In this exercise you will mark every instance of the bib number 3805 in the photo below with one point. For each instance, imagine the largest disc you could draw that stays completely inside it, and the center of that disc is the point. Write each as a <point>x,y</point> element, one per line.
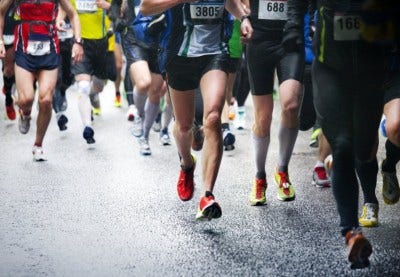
<point>206,11</point>
<point>38,48</point>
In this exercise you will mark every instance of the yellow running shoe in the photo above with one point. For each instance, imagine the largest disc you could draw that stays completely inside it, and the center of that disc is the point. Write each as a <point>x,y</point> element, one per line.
<point>285,188</point>
<point>369,216</point>
<point>96,111</point>
<point>257,195</point>
<point>117,101</point>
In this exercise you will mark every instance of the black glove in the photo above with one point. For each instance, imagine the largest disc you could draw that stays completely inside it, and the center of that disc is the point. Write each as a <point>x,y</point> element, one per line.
<point>119,25</point>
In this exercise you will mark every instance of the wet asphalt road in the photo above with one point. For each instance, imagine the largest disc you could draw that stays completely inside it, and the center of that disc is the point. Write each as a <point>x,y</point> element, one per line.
<point>107,211</point>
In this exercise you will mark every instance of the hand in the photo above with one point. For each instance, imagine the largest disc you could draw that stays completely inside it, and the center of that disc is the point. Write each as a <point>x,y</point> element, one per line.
<point>77,53</point>
<point>102,4</point>
<point>2,50</point>
<point>246,31</point>
<point>60,25</point>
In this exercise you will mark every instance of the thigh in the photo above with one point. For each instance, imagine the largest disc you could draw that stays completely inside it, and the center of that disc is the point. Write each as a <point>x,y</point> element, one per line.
<point>291,67</point>
<point>24,80</point>
<point>184,73</point>
<point>333,103</point>
<point>213,85</point>
<point>183,105</point>
<point>261,61</point>
<point>47,81</point>
<point>368,105</point>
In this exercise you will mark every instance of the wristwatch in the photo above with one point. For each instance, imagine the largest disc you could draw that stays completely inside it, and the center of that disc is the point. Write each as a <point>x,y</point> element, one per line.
<point>244,17</point>
<point>78,41</point>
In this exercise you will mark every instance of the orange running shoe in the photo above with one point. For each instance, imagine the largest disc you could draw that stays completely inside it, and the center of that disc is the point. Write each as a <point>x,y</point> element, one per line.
<point>208,208</point>
<point>186,183</point>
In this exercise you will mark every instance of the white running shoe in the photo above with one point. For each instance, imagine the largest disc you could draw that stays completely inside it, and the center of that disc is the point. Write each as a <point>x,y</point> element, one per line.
<point>144,146</point>
<point>130,115</point>
<point>240,118</point>
<point>164,138</point>
<point>38,154</point>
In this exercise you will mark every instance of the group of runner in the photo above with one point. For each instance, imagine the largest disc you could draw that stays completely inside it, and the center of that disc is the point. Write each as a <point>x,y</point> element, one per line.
<point>190,54</point>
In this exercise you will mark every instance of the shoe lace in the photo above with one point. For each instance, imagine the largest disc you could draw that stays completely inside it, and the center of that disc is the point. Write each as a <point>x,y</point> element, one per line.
<point>370,212</point>
<point>284,180</point>
<point>260,187</point>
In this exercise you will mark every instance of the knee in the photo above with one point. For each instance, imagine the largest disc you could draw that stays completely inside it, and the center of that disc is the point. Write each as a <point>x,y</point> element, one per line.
<point>97,84</point>
<point>262,125</point>
<point>393,131</point>
<point>142,85</point>
<point>84,87</point>
<point>45,102</point>
<point>291,108</point>
<point>342,148</point>
<point>212,120</point>
<point>181,127</point>
<point>25,98</point>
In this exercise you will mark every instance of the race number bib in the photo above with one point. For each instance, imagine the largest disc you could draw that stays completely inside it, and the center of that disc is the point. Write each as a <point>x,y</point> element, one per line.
<point>86,6</point>
<point>38,48</point>
<point>272,9</point>
<point>206,10</point>
<point>346,27</point>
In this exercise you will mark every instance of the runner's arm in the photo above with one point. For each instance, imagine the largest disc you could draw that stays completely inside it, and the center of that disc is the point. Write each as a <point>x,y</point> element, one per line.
<point>151,7</point>
<point>77,49</point>
<point>4,5</point>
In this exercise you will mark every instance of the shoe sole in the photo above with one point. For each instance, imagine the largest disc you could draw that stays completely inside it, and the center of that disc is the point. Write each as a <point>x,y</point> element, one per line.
<point>212,211</point>
<point>229,147</point>
<point>286,199</point>
<point>39,159</point>
<point>369,224</point>
<point>359,253</point>
<point>390,201</point>
<point>321,185</point>
<point>257,203</point>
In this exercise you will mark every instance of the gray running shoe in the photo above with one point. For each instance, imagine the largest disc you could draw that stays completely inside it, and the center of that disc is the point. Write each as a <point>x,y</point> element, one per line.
<point>390,188</point>
<point>144,146</point>
<point>137,127</point>
<point>164,138</point>
<point>24,123</point>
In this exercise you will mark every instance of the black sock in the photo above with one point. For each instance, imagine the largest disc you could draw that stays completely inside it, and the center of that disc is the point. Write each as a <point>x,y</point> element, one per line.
<point>261,175</point>
<point>367,173</point>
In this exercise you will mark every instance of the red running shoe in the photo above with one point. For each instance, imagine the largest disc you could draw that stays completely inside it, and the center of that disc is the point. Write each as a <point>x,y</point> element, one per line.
<point>11,114</point>
<point>359,249</point>
<point>208,208</point>
<point>186,183</point>
<point>320,177</point>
